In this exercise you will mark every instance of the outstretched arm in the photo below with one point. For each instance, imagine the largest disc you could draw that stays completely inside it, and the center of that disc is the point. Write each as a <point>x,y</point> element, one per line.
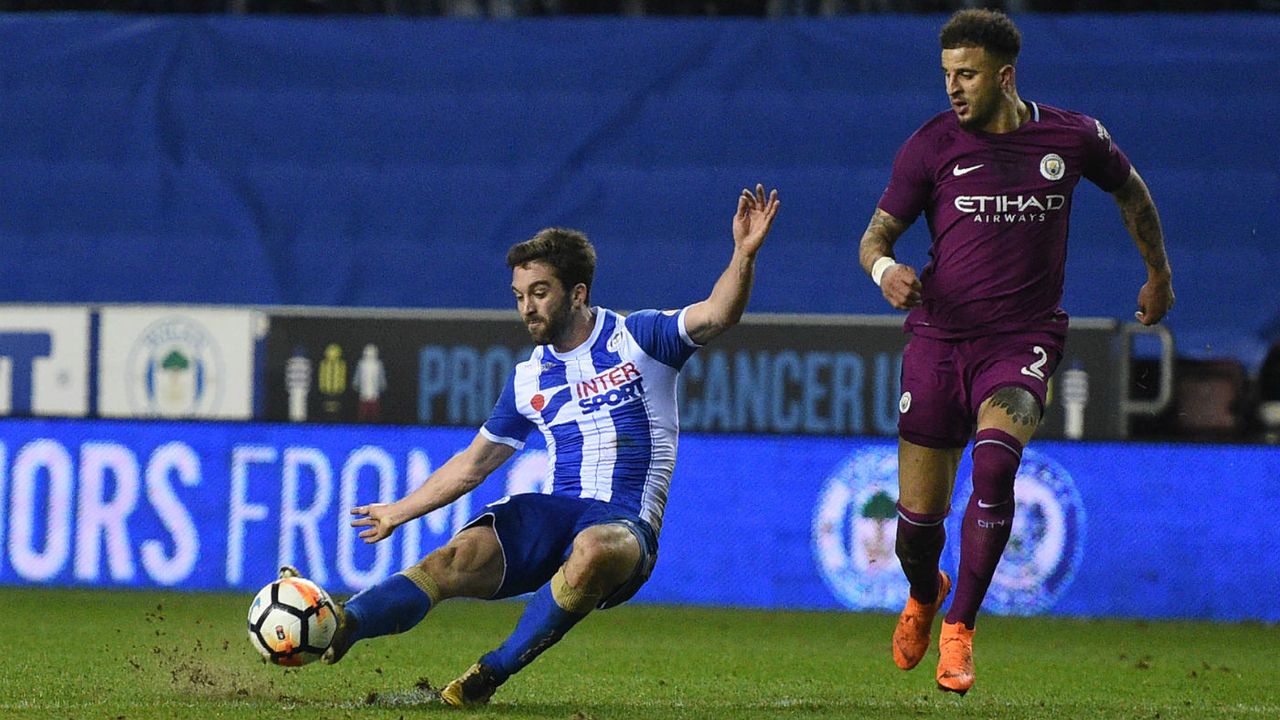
<point>1143,222</point>
<point>724,307</point>
<point>898,282</point>
<point>454,479</point>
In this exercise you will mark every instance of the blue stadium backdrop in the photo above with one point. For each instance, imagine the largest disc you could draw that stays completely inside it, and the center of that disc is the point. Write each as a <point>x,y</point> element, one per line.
<point>756,521</point>
<point>390,162</point>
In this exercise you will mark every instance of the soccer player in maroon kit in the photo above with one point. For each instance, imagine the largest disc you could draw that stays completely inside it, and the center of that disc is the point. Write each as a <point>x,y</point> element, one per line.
<point>994,177</point>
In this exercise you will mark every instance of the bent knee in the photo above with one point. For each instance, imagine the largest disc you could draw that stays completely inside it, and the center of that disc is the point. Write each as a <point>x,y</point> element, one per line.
<point>605,550</point>
<point>442,558</point>
<point>471,564</point>
<point>442,564</point>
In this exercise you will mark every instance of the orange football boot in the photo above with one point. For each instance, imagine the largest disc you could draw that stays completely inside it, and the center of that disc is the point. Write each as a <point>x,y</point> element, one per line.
<point>915,625</point>
<point>955,658</point>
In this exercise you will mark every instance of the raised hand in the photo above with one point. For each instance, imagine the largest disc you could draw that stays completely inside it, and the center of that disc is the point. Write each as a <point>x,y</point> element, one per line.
<point>753,219</point>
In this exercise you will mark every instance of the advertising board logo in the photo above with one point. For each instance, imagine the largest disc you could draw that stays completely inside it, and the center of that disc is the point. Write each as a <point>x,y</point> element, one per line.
<point>175,369</point>
<point>297,382</point>
<point>44,360</point>
<point>854,530</point>
<point>855,527</point>
<point>369,382</point>
<point>1047,543</point>
<point>20,350</point>
<point>332,380</point>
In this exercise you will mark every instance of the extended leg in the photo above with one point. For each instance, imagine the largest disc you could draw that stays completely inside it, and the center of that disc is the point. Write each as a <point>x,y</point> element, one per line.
<point>603,558</point>
<point>470,565</point>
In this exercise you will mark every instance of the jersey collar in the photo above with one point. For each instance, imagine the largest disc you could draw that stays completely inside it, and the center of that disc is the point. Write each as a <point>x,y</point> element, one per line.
<point>586,345</point>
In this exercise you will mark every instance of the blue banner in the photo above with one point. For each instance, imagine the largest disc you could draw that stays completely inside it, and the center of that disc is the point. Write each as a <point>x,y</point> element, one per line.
<point>1101,529</point>
<point>378,162</point>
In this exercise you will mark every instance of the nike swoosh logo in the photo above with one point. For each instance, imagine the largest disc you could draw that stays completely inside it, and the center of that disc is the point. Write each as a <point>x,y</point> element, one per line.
<point>984,505</point>
<point>958,171</point>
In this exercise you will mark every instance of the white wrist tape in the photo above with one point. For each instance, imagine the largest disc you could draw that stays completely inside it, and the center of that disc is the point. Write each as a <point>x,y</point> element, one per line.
<point>877,269</point>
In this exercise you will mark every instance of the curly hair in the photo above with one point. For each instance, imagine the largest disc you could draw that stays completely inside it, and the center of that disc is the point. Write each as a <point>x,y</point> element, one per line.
<point>990,30</point>
<point>568,252</point>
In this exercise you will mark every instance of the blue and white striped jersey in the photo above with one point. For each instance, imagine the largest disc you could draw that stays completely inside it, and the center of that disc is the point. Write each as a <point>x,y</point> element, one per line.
<point>606,408</point>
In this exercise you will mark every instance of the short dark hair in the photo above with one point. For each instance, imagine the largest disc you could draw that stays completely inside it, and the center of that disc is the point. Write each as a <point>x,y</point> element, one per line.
<point>568,252</point>
<point>990,30</point>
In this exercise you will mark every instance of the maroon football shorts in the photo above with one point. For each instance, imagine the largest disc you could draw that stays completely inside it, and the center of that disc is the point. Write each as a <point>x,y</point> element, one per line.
<point>945,381</point>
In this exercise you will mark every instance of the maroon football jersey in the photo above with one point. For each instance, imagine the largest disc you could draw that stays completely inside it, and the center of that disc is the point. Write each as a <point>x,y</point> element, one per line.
<point>998,207</point>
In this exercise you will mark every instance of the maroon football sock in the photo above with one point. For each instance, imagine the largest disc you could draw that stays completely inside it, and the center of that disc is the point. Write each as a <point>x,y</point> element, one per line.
<point>919,544</point>
<point>988,520</point>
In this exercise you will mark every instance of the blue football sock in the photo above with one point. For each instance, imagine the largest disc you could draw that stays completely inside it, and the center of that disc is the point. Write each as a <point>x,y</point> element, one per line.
<point>542,625</point>
<point>392,606</point>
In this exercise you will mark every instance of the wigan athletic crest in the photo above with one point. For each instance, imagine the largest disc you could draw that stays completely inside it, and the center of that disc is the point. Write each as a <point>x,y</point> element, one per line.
<point>175,370</point>
<point>854,530</point>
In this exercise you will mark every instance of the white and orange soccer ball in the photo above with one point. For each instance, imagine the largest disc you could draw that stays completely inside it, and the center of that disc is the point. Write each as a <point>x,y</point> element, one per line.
<point>292,620</point>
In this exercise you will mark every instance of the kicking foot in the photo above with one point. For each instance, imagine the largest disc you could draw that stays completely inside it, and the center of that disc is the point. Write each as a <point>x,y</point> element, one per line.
<point>475,687</point>
<point>915,625</point>
<point>955,658</point>
<point>343,638</point>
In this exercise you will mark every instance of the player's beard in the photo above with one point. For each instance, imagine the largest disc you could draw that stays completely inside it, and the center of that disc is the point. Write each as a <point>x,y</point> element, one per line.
<point>979,116</point>
<point>552,326</point>
<point>982,109</point>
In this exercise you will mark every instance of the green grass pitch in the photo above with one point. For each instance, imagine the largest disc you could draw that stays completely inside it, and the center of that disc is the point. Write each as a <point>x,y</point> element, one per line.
<point>134,655</point>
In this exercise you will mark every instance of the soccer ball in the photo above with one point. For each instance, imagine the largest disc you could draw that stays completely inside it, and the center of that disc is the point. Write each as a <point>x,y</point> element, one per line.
<point>292,621</point>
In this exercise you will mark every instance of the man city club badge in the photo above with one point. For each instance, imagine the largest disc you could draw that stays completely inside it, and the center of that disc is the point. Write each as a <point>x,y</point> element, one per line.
<point>1052,166</point>
<point>854,530</point>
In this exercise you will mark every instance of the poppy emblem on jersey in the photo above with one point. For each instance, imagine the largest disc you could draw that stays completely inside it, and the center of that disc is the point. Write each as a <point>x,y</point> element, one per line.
<point>1052,167</point>
<point>538,402</point>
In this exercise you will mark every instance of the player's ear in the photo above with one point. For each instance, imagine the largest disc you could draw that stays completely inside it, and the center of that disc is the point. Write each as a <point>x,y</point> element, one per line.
<point>1007,74</point>
<point>581,294</point>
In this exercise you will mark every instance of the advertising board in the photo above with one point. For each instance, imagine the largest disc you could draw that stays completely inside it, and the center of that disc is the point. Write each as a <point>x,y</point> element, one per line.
<point>1102,529</point>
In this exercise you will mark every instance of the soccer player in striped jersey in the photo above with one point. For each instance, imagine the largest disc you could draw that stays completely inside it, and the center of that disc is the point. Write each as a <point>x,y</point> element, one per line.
<point>601,388</point>
<point>994,176</point>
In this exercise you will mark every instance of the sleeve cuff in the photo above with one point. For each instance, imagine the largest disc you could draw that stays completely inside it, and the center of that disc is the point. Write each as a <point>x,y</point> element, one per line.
<point>511,442</point>
<point>684,332</point>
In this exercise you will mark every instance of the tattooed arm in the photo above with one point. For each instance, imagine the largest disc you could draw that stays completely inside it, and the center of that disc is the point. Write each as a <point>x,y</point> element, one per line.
<point>1143,222</point>
<point>898,283</point>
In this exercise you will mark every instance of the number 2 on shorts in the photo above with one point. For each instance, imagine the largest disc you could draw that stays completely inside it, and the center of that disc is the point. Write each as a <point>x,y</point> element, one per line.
<point>1035,369</point>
